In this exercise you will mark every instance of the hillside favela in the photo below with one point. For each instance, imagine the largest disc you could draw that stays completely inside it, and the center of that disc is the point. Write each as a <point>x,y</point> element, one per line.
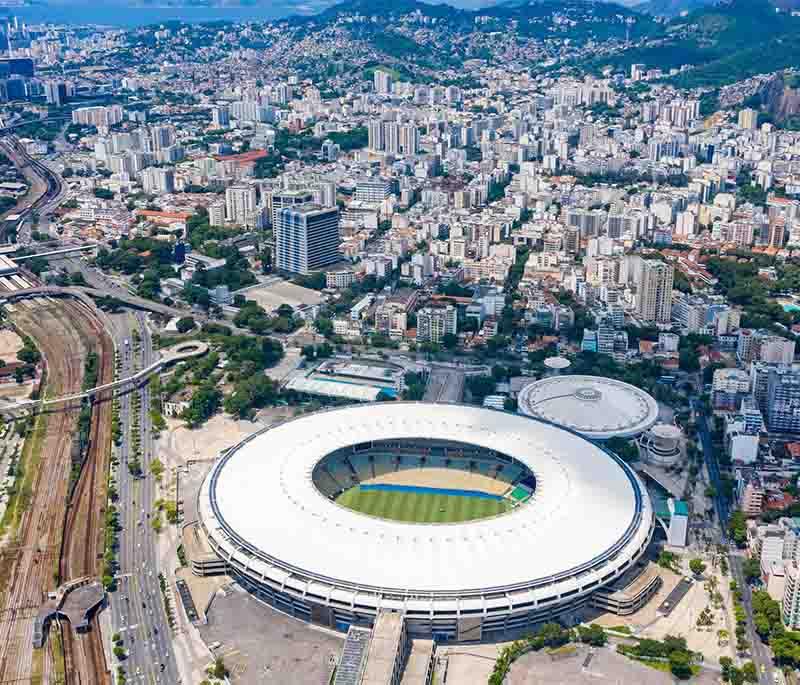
<point>386,342</point>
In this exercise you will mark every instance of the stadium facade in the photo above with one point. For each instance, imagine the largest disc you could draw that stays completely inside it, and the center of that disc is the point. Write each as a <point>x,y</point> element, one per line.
<point>268,510</point>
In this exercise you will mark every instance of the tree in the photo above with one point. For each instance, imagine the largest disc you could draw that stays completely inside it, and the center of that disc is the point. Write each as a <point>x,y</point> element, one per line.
<point>593,635</point>
<point>750,672</point>
<point>218,669</point>
<point>185,324</point>
<point>449,341</point>
<point>737,527</point>
<point>751,568</point>
<point>479,387</point>
<point>726,663</point>
<point>680,664</point>
<point>203,405</point>
<point>251,393</point>
<point>697,567</point>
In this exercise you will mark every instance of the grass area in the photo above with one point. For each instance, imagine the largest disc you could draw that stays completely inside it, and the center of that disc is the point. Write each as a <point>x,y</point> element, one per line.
<point>37,666</point>
<point>621,629</point>
<point>662,666</point>
<point>19,501</point>
<point>59,669</point>
<point>420,507</point>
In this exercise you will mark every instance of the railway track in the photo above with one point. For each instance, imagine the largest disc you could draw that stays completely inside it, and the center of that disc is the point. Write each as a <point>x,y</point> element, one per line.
<point>83,541</point>
<point>64,333</point>
<point>27,576</point>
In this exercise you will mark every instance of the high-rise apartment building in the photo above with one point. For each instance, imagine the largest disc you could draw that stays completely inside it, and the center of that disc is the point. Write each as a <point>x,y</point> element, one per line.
<point>383,82</point>
<point>216,214</point>
<point>161,137</point>
<point>101,117</point>
<point>306,238</point>
<point>221,116</point>
<point>781,405</point>
<point>376,138</point>
<point>433,323</point>
<point>240,202</point>
<point>55,93</point>
<point>158,180</point>
<point>654,298</point>
<point>748,119</point>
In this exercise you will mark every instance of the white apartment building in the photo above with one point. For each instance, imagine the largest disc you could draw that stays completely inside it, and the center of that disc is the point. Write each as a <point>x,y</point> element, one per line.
<point>240,203</point>
<point>433,323</point>
<point>654,297</point>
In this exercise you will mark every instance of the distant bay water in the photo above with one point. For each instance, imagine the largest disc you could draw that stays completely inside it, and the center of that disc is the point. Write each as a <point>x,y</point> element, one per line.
<point>114,15</point>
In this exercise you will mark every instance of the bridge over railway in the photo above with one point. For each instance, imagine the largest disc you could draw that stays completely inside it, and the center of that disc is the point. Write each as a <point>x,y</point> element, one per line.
<point>85,293</point>
<point>172,355</point>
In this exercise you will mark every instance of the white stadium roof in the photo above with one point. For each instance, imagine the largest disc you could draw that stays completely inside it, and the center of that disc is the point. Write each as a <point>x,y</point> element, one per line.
<point>599,408</point>
<point>589,512</point>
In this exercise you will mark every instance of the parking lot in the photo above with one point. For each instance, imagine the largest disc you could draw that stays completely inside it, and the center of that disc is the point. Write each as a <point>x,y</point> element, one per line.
<point>261,645</point>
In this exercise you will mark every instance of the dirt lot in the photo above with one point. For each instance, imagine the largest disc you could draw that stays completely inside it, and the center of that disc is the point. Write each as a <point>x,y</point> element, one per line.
<point>274,295</point>
<point>10,344</point>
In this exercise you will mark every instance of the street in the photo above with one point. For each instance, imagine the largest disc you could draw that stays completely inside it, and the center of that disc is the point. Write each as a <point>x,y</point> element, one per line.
<point>760,653</point>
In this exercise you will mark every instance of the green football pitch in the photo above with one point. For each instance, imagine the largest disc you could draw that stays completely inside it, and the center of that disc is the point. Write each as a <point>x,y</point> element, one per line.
<point>420,507</point>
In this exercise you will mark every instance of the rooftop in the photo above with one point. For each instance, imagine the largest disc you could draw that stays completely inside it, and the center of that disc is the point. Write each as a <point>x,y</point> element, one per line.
<point>599,408</point>
<point>288,521</point>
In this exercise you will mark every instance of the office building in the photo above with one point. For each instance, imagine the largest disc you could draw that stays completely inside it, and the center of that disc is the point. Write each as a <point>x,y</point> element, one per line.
<point>16,66</point>
<point>281,199</point>
<point>373,190</point>
<point>654,298</point>
<point>306,238</point>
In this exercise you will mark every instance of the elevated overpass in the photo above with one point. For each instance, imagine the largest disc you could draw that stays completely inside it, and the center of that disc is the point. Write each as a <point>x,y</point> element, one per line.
<point>172,355</point>
<point>86,294</point>
<point>58,252</point>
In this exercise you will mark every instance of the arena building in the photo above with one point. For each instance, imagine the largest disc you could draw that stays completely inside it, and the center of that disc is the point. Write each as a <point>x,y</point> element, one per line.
<point>473,523</point>
<point>596,407</point>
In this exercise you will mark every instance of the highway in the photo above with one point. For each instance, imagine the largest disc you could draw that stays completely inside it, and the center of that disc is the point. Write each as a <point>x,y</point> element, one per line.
<point>137,606</point>
<point>45,204</point>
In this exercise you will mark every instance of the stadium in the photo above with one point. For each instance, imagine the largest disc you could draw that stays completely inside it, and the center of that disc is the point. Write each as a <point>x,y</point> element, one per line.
<point>474,523</point>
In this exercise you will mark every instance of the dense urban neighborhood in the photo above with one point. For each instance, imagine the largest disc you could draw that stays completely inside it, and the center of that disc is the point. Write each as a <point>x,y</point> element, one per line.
<point>392,342</point>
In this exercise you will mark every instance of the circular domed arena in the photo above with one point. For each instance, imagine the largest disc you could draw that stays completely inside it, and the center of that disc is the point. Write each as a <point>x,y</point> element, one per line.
<point>596,407</point>
<point>469,521</point>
